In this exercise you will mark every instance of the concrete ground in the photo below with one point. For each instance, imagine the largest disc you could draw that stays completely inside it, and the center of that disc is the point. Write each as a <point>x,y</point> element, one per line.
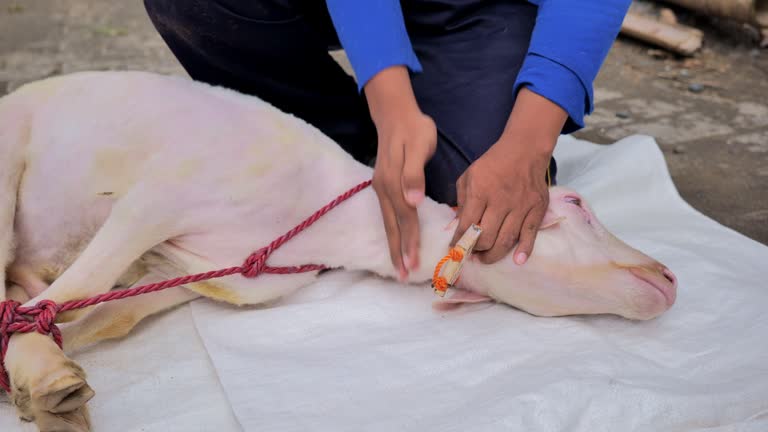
<point>709,114</point>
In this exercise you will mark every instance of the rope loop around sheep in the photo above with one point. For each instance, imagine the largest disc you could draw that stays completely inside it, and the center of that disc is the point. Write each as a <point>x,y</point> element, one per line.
<point>41,318</point>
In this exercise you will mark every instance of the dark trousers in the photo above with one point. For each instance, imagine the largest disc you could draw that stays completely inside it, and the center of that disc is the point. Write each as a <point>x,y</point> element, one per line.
<point>471,52</point>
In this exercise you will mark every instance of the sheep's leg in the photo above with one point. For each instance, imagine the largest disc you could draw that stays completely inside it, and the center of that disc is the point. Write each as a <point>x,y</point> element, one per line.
<point>17,293</point>
<point>46,384</point>
<point>28,280</point>
<point>116,319</point>
<point>14,135</point>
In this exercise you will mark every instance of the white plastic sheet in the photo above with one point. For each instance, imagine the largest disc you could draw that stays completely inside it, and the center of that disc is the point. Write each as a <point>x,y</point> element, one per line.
<point>158,379</point>
<point>354,353</point>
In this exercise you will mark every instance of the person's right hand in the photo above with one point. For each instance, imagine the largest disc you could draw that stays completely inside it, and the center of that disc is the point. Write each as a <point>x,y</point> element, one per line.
<point>407,139</point>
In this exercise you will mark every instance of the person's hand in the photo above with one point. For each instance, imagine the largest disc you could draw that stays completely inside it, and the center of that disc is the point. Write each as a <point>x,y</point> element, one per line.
<point>407,139</point>
<point>505,190</point>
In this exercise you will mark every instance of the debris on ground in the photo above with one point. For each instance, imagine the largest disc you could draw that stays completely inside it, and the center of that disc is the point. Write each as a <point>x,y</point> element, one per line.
<point>15,8</point>
<point>109,31</point>
<point>659,25</point>
<point>667,16</point>
<point>748,11</point>
<point>677,38</point>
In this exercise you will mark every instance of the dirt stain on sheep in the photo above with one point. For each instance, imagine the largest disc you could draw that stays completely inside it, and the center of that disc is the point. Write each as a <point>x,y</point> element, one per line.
<point>187,168</point>
<point>118,326</point>
<point>216,292</point>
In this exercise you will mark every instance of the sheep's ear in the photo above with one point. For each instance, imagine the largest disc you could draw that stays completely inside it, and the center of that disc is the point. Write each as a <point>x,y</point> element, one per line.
<point>550,220</point>
<point>459,298</point>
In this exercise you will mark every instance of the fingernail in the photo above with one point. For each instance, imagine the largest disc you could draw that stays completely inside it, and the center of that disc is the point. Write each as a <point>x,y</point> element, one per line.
<point>521,258</point>
<point>413,264</point>
<point>414,197</point>
<point>407,261</point>
<point>402,276</point>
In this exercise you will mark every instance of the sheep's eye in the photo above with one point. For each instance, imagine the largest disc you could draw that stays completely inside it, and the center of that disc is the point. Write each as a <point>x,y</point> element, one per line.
<point>573,200</point>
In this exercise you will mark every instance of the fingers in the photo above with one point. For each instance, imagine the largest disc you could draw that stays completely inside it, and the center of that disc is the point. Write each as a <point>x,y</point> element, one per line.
<point>413,175</point>
<point>530,228</point>
<point>504,192</point>
<point>471,211</point>
<point>399,183</point>
<point>461,194</point>
<point>408,221</point>
<point>491,223</point>
<point>505,241</point>
<point>412,195</point>
<point>391,228</point>
<point>386,180</point>
<point>407,138</point>
<point>503,227</point>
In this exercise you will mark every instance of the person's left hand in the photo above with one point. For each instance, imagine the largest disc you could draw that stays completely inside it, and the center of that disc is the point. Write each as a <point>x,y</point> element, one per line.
<point>505,191</point>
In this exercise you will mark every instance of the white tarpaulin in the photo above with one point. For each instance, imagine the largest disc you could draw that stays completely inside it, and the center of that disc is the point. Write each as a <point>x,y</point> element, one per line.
<point>158,379</point>
<point>353,353</point>
<point>356,353</point>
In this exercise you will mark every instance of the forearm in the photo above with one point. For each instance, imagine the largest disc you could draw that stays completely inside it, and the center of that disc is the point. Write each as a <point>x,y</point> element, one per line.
<point>570,41</point>
<point>534,124</point>
<point>373,35</point>
<point>389,94</point>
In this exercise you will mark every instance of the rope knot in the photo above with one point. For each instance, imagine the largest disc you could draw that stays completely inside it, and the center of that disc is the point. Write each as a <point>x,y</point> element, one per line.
<point>456,254</point>
<point>8,315</point>
<point>46,317</point>
<point>255,264</point>
<point>440,283</point>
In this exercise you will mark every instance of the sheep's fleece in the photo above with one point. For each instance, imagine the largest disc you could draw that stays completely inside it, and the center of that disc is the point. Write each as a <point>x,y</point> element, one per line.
<point>353,352</point>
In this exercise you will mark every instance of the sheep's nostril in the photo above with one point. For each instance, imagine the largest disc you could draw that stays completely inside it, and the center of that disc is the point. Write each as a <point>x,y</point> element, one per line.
<point>669,276</point>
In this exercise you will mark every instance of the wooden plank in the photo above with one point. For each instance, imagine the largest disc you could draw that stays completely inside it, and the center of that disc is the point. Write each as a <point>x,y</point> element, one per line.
<point>451,269</point>
<point>740,10</point>
<point>678,38</point>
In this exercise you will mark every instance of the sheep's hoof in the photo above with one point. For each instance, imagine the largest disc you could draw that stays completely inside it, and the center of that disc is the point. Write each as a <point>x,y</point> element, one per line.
<point>63,391</point>
<point>76,420</point>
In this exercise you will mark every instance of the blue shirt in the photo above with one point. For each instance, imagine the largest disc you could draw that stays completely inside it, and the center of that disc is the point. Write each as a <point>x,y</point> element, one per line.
<point>570,41</point>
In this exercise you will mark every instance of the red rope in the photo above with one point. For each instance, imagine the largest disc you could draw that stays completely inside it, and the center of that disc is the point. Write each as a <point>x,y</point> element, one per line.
<point>15,318</point>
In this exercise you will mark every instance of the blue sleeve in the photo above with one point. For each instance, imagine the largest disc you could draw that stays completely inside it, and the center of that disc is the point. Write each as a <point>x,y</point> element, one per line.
<point>373,35</point>
<point>569,44</point>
